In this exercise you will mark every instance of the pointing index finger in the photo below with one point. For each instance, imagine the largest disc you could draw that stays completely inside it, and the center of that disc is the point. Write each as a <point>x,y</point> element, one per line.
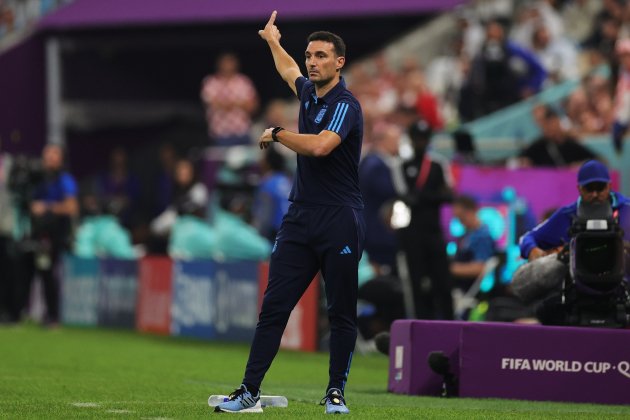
<point>272,19</point>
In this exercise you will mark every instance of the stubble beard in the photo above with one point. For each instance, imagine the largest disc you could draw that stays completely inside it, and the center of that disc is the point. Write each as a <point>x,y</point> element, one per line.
<point>322,82</point>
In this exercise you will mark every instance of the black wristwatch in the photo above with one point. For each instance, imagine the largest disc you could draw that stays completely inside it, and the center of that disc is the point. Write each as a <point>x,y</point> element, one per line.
<point>274,132</point>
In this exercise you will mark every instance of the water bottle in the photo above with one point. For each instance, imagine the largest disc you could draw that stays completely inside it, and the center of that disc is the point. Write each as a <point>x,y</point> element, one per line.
<point>265,400</point>
<point>273,401</point>
<point>215,400</point>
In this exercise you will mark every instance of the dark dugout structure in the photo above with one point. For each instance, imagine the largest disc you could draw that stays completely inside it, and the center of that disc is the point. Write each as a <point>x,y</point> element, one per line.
<point>101,73</point>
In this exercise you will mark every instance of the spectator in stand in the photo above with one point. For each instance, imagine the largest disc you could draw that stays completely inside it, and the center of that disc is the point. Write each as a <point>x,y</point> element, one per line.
<point>278,113</point>
<point>525,21</point>
<point>550,17</point>
<point>100,234</point>
<point>272,197</point>
<point>366,90</point>
<point>598,90</point>
<point>580,16</point>
<point>120,188</point>
<point>556,147</point>
<point>163,193</point>
<point>6,19</point>
<point>501,74</point>
<point>384,81</point>
<point>426,104</point>
<point>557,55</point>
<point>230,99</point>
<point>622,96</point>
<point>590,107</point>
<point>414,99</point>
<point>446,75</point>
<point>488,10</point>
<point>470,31</point>
<point>474,248</point>
<point>583,115</point>
<point>405,91</point>
<point>604,37</point>
<point>380,180</point>
<point>275,115</point>
<point>187,189</point>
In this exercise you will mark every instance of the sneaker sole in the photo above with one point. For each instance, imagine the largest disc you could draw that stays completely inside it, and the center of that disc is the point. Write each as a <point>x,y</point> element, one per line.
<point>255,409</point>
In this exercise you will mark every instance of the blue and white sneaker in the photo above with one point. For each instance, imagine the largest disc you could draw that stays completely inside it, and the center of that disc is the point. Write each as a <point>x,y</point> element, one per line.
<point>241,401</point>
<point>334,402</point>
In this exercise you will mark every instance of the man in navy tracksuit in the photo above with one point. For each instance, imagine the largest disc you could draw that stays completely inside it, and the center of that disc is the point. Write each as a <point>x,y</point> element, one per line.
<point>324,227</point>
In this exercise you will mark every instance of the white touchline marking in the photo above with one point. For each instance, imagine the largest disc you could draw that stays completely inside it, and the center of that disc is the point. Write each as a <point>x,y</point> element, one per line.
<point>86,404</point>
<point>119,411</point>
<point>156,418</point>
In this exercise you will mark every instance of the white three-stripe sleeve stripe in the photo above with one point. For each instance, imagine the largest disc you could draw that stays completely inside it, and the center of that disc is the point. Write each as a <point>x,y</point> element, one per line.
<point>337,119</point>
<point>334,117</point>
<point>340,119</point>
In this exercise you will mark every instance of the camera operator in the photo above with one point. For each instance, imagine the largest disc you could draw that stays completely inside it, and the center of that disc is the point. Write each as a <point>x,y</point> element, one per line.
<point>550,236</point>
<point>557,283</point>
<point>53,208</point>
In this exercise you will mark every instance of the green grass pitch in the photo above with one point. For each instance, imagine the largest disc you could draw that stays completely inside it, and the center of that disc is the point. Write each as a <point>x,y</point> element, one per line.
<point>84,373</point>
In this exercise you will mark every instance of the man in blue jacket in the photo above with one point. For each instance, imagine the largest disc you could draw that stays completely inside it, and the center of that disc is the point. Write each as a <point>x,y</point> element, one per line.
<point>502,73</point>
<point>593,185</point>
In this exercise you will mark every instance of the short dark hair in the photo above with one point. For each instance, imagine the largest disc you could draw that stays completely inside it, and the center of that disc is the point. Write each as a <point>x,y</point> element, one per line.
<point>420,130</point>
<point>340,46</point>
<point>467,202</point>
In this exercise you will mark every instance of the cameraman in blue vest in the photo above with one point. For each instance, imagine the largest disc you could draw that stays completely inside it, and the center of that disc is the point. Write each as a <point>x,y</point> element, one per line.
<point>593,186</point>
<point>54,208</point>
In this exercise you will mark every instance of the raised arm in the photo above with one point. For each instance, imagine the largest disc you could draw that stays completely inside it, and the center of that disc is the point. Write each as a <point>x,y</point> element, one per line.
<point>285,65</point>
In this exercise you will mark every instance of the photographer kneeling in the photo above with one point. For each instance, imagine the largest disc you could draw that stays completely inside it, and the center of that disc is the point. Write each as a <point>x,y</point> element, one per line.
<point>583,284</point>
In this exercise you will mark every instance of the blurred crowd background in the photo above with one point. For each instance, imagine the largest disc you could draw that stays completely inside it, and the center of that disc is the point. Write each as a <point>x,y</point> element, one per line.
<point>156,127</point>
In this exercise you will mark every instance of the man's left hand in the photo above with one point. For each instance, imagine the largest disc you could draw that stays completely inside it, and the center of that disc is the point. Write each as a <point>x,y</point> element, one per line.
<point>265,139</point>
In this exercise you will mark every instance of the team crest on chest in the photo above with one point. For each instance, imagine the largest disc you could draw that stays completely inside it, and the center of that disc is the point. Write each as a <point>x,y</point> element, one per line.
<point>321,114</point>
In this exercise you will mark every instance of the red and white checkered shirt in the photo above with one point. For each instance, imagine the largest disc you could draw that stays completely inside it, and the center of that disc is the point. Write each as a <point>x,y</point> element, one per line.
<point>231,121</point>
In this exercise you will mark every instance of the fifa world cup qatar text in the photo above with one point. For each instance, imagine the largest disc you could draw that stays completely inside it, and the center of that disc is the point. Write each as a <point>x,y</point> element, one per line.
<point>324,228</point>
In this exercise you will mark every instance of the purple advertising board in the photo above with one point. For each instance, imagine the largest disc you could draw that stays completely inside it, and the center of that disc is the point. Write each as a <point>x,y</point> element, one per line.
<point>411,343</point>
<point>545,363</point>
<point>501,360</point>
<point>543,188</point>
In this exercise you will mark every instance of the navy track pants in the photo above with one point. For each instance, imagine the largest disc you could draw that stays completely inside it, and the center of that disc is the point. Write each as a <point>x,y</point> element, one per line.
<point>326,238</point>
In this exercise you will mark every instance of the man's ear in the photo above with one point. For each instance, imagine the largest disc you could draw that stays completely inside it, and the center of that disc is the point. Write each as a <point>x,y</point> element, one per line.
<point>341,61</point>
